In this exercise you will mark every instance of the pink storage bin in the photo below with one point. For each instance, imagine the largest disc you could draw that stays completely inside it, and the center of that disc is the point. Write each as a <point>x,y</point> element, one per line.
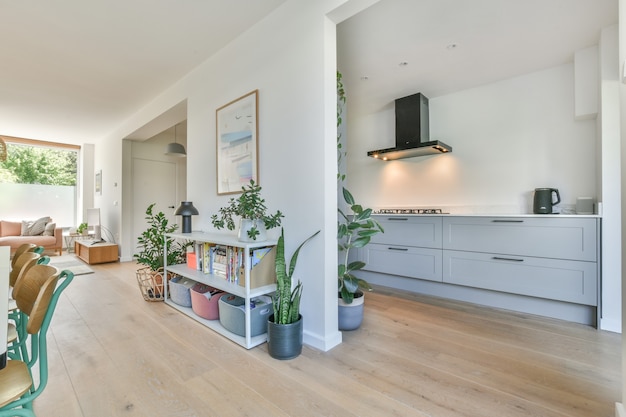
<point>204,301</point>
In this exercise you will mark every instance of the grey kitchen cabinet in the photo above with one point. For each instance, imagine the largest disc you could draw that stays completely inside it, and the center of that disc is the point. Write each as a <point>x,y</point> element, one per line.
<point>555,279</point>
<point>407,261</point>
<point>410,247</point>
<point>557,237</point>
<point>546,265</point>
<point>540,257</point>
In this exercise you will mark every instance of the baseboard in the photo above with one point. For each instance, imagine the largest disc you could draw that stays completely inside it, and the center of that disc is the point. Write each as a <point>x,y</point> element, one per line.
<point>320,343</point>
<point>619,410</point>
<point>611,325</point>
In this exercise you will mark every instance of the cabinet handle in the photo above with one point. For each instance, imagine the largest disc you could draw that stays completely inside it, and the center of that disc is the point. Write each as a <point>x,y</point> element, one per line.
<point>507,221</point>
<point>400,249</point>
<point>499,258</point>
<point>402,219</point>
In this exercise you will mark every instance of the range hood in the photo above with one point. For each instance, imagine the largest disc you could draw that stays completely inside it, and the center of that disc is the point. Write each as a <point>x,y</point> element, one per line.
<point>412,131</point>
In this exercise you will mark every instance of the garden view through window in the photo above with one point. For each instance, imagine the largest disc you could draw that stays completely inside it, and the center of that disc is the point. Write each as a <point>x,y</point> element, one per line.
<point>39,179</point>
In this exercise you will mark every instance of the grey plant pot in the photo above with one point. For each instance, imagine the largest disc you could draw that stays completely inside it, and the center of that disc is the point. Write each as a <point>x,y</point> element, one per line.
<point>351,315</point>
<point>284,341</point>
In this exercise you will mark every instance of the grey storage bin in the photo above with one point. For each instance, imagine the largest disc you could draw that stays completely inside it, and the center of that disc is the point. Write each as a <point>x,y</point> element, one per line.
<point>232,315</point>
<point>179,291</point>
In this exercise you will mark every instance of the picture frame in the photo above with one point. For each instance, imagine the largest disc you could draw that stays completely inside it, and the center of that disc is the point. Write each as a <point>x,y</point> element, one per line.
<point>237,133</point>
<point>99,182</point>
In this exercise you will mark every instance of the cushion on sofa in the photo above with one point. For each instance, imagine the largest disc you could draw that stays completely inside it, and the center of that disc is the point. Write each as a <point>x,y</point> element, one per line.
<point>8,228</point>
<point>49,230</point>
<point>34,228</point>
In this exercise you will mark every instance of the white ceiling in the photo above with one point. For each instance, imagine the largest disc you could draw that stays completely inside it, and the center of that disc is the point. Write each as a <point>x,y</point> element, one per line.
<point>493,40</point>
<point>73,70</point>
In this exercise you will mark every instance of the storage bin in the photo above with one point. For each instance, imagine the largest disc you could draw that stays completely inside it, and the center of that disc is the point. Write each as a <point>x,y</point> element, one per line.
<point>232,315</point>
<point>179,291</point>
<point>204,301</point>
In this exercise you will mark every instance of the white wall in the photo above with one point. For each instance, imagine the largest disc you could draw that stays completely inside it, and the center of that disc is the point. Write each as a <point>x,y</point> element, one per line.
<point>610,193</point>
<point>290,58</point>
<point>508,138</point>
<point>620,411</point>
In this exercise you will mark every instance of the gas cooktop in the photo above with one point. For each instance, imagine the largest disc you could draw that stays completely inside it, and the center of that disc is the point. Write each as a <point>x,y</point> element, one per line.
<point>409,211</point>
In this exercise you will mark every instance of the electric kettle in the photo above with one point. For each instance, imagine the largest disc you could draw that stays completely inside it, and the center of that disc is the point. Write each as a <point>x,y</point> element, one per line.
<point>544,200</point>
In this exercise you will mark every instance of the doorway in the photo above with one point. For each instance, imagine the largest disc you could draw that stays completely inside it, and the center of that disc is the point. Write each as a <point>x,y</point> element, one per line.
<point>153,182</point>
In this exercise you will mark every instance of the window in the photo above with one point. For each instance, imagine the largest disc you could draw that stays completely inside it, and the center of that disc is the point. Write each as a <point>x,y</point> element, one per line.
<point>39,179</point>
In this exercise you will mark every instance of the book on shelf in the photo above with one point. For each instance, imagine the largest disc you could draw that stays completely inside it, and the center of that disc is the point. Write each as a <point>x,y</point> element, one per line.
<point>257,254</point>
<point>228,263</point>
<point>198,250</point>
<point>207,250</point>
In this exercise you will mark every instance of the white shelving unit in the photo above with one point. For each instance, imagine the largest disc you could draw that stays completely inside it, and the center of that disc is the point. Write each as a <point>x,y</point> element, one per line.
<point>245,291</point>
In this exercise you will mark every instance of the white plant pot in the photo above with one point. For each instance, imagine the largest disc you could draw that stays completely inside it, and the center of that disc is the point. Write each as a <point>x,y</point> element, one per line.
<point>351,315</point>
<point>247,224</point>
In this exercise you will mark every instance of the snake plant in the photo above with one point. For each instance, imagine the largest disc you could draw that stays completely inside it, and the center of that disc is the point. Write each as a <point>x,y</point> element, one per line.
<point>286,300</point>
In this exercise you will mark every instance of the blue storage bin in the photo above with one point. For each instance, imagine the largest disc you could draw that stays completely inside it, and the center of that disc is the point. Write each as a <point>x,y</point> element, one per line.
<point>232,315</point>
<point>179,290</point>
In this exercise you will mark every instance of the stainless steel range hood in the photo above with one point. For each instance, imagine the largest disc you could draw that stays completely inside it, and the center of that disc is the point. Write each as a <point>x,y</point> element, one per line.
<point>412,131</point>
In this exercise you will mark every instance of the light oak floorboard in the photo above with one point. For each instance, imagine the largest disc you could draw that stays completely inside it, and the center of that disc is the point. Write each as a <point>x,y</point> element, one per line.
<point>113,354</point>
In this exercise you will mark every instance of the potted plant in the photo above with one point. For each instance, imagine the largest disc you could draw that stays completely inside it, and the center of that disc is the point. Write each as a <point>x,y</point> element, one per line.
<point>251,210</point>
<point>152,244</point>
<point>284,327</point>
<point>82,228</point>
<point>355,227</point>
<point>354,230</point>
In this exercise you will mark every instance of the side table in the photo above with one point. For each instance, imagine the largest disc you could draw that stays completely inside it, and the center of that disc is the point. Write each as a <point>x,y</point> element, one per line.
<point>96,253</point>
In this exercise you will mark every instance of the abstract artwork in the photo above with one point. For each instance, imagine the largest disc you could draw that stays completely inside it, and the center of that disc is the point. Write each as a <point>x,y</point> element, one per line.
<point>237,143</point>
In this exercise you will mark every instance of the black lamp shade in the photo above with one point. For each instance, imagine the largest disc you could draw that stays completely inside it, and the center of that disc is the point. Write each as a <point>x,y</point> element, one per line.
<point>186,210</point>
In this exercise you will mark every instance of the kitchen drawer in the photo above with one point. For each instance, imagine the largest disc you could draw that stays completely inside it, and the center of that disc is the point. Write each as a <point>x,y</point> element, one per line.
<point>571,281</point>
<point>561,238</point>
<point>406,261</point>
<point>419,231</point>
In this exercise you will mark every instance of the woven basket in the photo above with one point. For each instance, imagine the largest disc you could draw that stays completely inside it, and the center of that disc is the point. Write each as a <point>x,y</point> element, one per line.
<point>151,283</point>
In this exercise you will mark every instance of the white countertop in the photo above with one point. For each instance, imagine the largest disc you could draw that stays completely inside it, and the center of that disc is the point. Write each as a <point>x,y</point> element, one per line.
<point>596,216</point>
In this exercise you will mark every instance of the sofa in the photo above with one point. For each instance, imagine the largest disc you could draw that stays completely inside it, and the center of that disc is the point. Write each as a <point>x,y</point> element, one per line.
<point>41,232</point>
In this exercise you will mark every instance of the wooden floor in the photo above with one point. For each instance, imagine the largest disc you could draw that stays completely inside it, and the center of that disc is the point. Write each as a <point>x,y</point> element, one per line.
<point>113,354</point>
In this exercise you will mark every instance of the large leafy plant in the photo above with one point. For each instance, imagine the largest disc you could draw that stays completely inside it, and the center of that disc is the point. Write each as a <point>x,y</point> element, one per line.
<point>355,227</point>
<point>249,205</point>
<point>354,230</point>
<point>152,242</point>
<point>286,300</point>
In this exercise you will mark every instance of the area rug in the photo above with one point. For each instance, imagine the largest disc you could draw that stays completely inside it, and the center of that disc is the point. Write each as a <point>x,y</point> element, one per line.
<point>71,262</point>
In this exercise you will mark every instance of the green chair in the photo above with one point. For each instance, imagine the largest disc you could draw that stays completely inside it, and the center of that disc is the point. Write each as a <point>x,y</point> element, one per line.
<point>15,331</point>
<point>37,296</point>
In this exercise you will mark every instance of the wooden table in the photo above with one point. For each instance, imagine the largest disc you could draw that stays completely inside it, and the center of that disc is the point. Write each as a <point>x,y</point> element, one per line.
<point>96,253</point>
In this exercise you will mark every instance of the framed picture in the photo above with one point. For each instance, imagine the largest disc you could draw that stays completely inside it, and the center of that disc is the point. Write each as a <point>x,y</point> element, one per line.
<point>99,182</point>
<point>237,143</point>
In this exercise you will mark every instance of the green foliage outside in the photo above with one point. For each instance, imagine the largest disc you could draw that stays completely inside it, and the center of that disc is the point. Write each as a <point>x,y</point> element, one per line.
<point>38,165</point>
